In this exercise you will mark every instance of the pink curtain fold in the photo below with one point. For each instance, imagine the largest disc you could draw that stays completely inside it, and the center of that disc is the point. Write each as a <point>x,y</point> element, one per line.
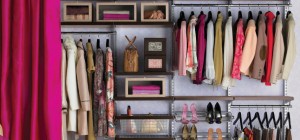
<point>30,57</point>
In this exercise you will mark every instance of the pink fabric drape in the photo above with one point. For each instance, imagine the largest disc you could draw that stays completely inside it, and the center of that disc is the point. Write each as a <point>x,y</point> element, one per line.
<point>30,57</point>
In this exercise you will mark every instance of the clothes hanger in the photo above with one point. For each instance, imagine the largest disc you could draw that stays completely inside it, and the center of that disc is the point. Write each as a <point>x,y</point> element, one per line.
<point>229,13</point>
<point>248,118</point>
<point>89,40</point>
<point>288,118</point>
<point>98,44</point>
<point>61,40</point>
<point>239,118</point>
<point>209,17</point>
<point>107,43</point>
<point>288,13</point>
<point>250,15</point>
<point>272,118</point>
<point>240,15</point>
<point>181,18</point>
<point>279,120</point>
<point>257,116</point>
<point>266,119</point>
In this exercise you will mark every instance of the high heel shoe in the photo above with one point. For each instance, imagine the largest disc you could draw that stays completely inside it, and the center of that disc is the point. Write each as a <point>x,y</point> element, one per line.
<point>194,114</point>
<point>218,114</point>
<point>184,114</point>
<point>185,132</point>
<point>193,135</point>
<point>210,113</point>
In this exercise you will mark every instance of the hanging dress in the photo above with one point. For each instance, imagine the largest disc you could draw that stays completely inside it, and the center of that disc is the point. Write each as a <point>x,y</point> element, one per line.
<point>110,92</point>
<point>218,51</point>
<point>239,42</point>
<point>201,46</point>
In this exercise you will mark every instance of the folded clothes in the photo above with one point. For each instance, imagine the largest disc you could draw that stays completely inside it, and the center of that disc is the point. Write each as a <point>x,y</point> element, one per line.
<point>105,18</point>
<point>115,16</point>
<point>145,91</point>
<point>116,12</point>
<point>146,87</point>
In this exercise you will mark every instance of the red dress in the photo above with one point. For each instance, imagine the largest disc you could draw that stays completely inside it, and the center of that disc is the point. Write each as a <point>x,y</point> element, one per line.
<point>270,42</point>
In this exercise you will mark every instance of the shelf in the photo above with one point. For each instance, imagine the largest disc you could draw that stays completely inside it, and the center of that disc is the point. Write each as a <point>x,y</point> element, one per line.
<point>210,98</point>
<point>205,135</point>
<point>141,137</point>
<point>119,23</point>
<point>223,98</point>
<point>145,116</point>
<point>281,98</point>
<point>142,74</point>
<point>143,98</point>
<point>226,116</point>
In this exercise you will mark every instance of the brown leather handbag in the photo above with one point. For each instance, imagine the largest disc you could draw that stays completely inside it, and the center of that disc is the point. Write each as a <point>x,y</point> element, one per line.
<point>131,57</point>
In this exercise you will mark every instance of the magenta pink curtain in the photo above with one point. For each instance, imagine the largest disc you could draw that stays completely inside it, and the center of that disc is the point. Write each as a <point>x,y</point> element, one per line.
<point>30,56</point>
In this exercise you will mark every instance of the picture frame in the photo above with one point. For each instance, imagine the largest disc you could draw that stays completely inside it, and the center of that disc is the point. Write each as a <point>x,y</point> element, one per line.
<point>155,64</point>
<point>151,6</point>
<point>160,81</point>
<point>77,12</point>
<point>155,46</point>
<point>130,7</point>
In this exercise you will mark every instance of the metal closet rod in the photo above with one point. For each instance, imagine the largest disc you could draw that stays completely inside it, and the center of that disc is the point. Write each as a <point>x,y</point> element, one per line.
<point>261,106</point>
<point>76,32</point>
<point>231,5</point>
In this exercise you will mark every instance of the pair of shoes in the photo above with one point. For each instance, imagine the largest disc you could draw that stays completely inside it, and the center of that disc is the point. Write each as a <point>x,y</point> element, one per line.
<point>214,114</point>
<point>211,132</point>
<point>192,135</point>
<point>184,114</point>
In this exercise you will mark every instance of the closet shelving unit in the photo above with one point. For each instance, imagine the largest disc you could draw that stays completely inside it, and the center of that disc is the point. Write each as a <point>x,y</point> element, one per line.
<point>171,98</point>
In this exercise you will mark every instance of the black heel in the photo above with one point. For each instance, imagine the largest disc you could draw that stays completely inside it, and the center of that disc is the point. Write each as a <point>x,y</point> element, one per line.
<point>218,114</point>
<point>210,113</point>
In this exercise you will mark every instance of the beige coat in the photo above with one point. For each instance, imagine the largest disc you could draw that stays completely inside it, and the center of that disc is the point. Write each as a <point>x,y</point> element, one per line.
<point>63,91</point>
<point>83,91</point>
<point>90,70</point>
<point>290,47</point>
<point>278,52</point>
<point>249,47</point>
<point>260,55</point>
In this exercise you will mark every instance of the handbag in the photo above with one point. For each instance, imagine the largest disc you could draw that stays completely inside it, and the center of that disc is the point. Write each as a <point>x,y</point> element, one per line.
<point>152,126</point>
<point>131,57</point>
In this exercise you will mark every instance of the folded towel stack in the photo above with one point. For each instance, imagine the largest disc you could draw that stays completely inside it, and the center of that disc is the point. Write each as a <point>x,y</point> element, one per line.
<point>146,89</point>
<point>116,15</point>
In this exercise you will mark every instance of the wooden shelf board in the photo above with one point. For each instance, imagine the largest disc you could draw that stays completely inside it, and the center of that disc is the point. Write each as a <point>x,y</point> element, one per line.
<point>145,73</point>
<point>119,23</point>
<point>283,98</point>
<point>224,98</point>
<point>145,116</point>
<point>143,98</point>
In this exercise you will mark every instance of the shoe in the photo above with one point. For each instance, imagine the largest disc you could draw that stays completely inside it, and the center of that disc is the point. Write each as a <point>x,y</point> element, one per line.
<point>194,114</point>
<point>185,133</point>
<point>184,114</point>
<point>218,114</point>
<point>219,132</point>
<point>210,113</point>
<point>193,135</point>
<point>210,134</point>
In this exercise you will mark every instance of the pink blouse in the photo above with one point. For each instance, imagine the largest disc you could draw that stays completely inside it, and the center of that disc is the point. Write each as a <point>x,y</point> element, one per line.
<point>239,42</point>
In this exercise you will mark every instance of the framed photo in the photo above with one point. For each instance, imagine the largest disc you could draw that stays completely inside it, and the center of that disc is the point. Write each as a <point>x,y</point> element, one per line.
<point>77,12</point>
<point>155,64</point>
<point>155,46</point>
